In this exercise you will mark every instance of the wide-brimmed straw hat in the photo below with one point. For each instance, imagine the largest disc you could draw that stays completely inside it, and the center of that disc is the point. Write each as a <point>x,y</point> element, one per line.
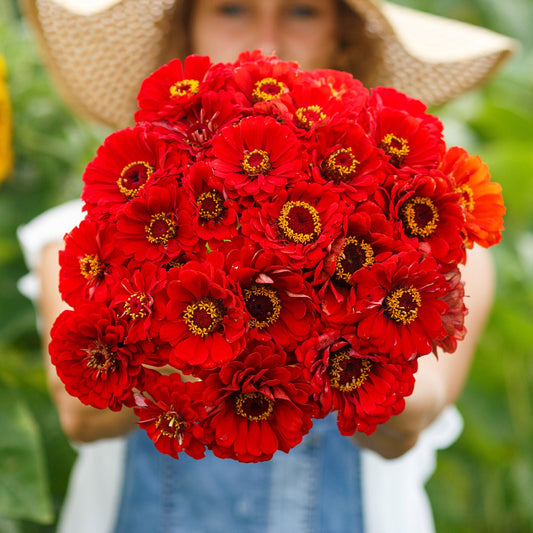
<point>99,51</point>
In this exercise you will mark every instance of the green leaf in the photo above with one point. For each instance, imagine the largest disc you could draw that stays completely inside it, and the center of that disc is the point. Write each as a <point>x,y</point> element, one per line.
<point>24,492</point>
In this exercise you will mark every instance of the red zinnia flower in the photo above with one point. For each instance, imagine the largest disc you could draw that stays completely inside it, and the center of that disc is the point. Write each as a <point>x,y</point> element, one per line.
<point>156,226</point>
<point>168,91</point>
<point>428,211</point>
<point>88,261</point>
<point>280,303</point>
<point>482,200</point>
<point>257,405</point>
<point>92,357</point>
<point>205,317</point>
<point>215,214</point>
<point>365,390</point>
<point>343,86</point>
<point>169,412</point>
<point>301,223</point>
<point>401,306</point>
<point>255,158</point>
<point>122,167</point>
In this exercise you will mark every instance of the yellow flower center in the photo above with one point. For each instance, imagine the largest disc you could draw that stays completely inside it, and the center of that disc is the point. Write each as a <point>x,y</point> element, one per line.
<point>267,89</point>
<point>420,217</point>
<point>348,373</point>
<point>307,117</point>
<point>91,267</point>
<point>184,88</point>
<point>253,406</point>
<point>210,205</point>
<point>101,358</point>
<point>467,197</point>
<point>204,316</point>
<point>397,148</point>
<point>355,254</point>
<point>402,305</point>
<point>299,222</point>
<point>264,304</point>
<point>171,425</point>
<point>137,306</point>
<point>161,229</point>
<point>256,162</point>
<point>133,178</point>
<point>340,165</point>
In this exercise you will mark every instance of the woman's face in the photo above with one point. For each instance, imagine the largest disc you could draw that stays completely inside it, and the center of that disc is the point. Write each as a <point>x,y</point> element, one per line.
<point>295,30</point>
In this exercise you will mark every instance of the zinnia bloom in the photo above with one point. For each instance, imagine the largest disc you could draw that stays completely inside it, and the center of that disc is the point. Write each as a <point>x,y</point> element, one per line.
<point>205,317</point>
<point>169,411</point>
<point>257,405</point>
<point>364,389</point>
<point>92,357</point>
<point>88,261</point>
<point>401,306</point>
<point>256,158</point>
<point>481,199</point>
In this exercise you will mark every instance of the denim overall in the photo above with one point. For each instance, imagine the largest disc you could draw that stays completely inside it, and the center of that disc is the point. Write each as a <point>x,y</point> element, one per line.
<point>316,488</point>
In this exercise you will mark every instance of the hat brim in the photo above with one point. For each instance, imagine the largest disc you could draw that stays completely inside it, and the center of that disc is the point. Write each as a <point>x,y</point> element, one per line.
<point>100,54</point>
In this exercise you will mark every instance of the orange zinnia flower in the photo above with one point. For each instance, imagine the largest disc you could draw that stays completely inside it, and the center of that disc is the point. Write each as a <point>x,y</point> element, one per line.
<point>481,198</point>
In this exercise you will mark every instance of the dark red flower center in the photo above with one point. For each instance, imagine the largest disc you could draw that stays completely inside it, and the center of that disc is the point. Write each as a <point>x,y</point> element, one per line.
<point>420,217</point>
<point>161,229</point>
<point>348,373</point>
<point>467,197</point>
<point>204,316</point>
<point>137,306</point>
<point>307,117</point>
<point>253,406</point>
<point>133,178</point>
<point>184,88</point>
<point>263,304</point>
<point>355,254</point>
<point>340,165</point>
<point>299,222</point>
<point>256,162</point>
<point>267,89</point>
<point>101,358</point>
<point>402,304</point>
<point>397,148</point>
<point>210,205</point>
<point>91,267</point>
<point>171,425</point>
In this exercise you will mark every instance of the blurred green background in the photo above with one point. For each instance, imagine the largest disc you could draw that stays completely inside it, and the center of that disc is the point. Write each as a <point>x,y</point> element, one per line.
<point>483,483</point>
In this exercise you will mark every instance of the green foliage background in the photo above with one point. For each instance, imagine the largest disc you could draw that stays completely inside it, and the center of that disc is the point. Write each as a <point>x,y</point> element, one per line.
<point>484,483</point>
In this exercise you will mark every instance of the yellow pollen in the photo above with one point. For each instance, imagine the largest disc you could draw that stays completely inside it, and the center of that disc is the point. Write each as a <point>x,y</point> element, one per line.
<point>348,373</point>
<point>267,89</point>
<point>395,147</point>
<point>101,358</point>
<point>253,406</point>
<point>256,162</point>
<point>136,306</point>
<point>264,304</point>
<point>184,88</point>
<point>174,263</point>
<point>307,117</point>
<point>402,305</point>
<point>133,178</point>
<point>203,317</point>
<point>299,222</point>
<point>467,197</point>
<point>90,267</point>
<point>364,258</point>
<point>420,216</point>
<point>210,204</point>
<point>341,164</point>
<point>171,425</point>
<point>161,229</point>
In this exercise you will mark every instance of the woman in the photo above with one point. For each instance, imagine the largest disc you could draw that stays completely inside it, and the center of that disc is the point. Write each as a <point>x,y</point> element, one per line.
<point>325,484</point>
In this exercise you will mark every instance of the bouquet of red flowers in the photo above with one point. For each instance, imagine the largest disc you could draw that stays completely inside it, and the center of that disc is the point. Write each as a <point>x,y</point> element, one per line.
<point>264,247</point>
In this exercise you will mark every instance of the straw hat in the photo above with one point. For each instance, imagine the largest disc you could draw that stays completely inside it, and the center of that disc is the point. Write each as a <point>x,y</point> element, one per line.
<point>99,51</point>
